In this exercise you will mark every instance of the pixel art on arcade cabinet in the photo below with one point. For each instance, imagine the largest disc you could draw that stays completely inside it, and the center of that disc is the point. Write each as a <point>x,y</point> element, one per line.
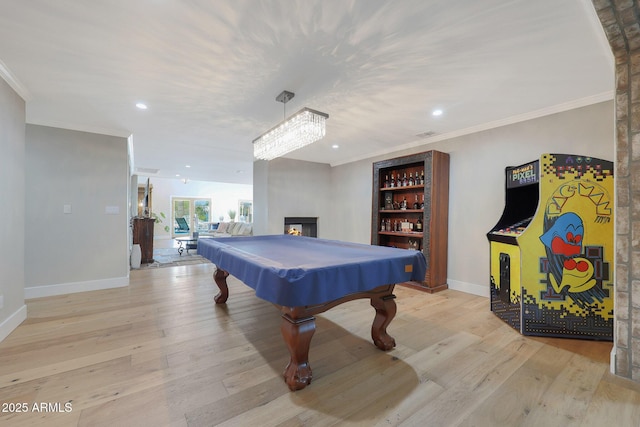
<point>552,251</point>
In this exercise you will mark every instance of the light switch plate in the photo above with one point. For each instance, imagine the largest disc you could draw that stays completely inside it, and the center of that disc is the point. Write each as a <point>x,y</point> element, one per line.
<point>112,210</point>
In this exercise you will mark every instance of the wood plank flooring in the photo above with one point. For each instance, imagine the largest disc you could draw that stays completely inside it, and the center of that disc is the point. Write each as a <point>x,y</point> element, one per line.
<point>161,353</point>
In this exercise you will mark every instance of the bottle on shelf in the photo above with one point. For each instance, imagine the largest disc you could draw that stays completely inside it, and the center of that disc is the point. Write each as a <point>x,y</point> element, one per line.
<point>382,226</point>
<point>405,181</point>
<point>403,205</point>
<point>386,181</point>
<point>411,181</point>
<point>422,204</point>
<point>419,224</point>
<point>416,205</point>
<point>422,177</point>
<point>393,181</point>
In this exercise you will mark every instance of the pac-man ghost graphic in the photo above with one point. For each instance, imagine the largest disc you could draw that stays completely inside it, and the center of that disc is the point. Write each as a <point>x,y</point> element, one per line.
<point>565,235</point>
<point>562,240</point>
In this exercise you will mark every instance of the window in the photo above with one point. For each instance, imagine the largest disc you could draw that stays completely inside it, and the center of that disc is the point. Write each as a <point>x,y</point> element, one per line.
<point>245,211</point>
<point>189,214</point>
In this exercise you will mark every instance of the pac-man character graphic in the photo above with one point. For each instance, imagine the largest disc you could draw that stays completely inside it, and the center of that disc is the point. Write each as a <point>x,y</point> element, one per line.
<point>569,274</point>
<point>577,276</point>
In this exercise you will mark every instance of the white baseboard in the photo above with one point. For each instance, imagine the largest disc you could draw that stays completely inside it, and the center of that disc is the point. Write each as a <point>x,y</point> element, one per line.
<point>470,288</point>
<point>70,288</point>
<point>13,322</point>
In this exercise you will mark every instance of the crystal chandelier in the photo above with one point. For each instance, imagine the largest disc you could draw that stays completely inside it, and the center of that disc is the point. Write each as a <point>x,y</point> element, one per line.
<point>303,128</point>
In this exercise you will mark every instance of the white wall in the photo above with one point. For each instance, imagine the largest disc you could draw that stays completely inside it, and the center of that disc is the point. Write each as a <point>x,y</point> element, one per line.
<point>12,166</point>
<point>87,248</point>
<point>223,197</point>
<point>476,198</point>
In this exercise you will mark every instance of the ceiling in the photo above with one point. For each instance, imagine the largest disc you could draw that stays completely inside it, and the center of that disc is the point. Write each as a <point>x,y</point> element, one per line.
<point>210,70</point>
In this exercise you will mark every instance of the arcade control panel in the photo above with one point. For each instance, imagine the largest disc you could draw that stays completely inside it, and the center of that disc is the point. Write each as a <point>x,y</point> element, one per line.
<point>514,229</point>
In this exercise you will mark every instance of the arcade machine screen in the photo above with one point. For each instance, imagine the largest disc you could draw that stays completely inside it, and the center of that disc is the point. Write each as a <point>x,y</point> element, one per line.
<point>522,195</point>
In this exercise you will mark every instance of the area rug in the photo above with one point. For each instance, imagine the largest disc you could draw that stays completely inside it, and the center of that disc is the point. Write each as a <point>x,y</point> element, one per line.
<point>169,257</point>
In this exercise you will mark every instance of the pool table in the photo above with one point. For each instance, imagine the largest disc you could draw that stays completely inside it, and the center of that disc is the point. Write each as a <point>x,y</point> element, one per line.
<point>305,276</point>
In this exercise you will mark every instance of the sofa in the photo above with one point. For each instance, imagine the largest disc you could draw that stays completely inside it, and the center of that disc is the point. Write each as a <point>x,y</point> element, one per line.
<point>229,229</point>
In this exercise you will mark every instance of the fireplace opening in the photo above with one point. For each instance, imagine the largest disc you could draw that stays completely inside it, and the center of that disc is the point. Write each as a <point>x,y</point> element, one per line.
<point>301,226</point>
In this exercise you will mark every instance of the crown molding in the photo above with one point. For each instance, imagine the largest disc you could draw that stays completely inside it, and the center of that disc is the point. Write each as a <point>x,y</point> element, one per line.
<point>554,109</point>
<point>81,128</point>
<point>13,81</point>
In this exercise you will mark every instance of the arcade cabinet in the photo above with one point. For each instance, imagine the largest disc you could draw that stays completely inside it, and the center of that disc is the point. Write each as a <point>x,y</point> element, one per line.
<point>552,251</point>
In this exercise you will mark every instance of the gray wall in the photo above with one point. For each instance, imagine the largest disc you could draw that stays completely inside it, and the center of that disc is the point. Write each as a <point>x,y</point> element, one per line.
<point>12,214</point>
<point>476,198</point>
<point>295,188</point>
<point>87,248</point>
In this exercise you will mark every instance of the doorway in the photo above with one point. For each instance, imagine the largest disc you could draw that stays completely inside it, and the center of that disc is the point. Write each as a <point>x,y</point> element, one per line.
<point>189,214</point>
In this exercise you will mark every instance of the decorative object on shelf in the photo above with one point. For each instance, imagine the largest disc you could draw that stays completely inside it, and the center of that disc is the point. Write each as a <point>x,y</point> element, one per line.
<point>303,128</point>
<point>232,215</point>
<point>388,200</point>
<point>402,219</point>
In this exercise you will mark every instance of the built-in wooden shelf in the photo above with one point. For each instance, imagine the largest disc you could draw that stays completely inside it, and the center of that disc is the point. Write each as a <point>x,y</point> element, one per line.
<point>432,241</point>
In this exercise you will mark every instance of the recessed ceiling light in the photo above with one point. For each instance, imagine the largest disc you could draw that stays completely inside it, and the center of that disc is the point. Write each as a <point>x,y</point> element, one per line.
<point>335,146</point>
<point>177,174</point>
<point>187,166</point>
<point>141,105</point>
<point>437,112</point>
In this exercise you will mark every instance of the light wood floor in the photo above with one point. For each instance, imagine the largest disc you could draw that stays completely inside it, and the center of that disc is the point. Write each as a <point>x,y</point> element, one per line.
<point>161,353</point>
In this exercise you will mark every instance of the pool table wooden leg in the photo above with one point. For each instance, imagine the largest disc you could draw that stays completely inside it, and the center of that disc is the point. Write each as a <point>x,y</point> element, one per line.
<point>297,333</point>
<point>220,277</point>
<point>385,312</point>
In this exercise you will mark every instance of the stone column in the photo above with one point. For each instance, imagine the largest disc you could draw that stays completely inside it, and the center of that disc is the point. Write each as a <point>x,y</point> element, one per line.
<point>621,22</point>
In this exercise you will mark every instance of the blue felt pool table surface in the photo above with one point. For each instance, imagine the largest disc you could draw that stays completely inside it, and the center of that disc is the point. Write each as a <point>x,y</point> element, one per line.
<point>300,271</point>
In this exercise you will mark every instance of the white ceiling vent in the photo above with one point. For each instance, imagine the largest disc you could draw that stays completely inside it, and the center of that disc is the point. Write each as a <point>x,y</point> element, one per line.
<point>426,134</point>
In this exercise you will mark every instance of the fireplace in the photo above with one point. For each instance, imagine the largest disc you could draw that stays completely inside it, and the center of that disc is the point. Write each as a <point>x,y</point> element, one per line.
<point>301,225</point>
